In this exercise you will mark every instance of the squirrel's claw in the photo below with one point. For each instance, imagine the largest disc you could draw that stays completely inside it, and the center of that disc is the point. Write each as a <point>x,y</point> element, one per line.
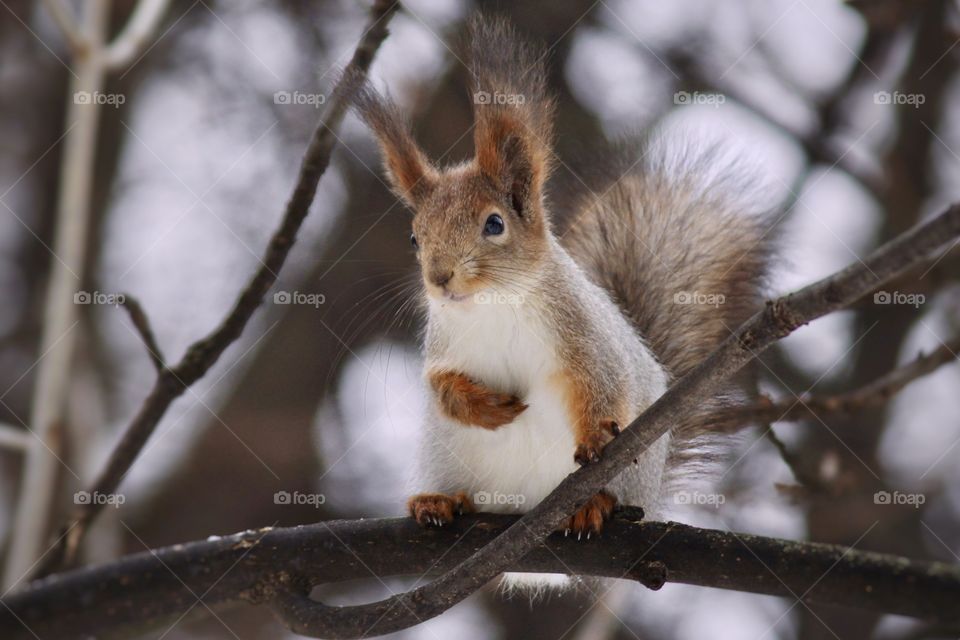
<point>586,453</point>
<point>589,519</point>
<point>590,447</point>
<point>438,509</point>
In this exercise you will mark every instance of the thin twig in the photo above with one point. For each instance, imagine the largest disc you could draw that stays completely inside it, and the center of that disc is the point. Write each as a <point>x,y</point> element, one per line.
<point>873,393</point>
<point>250,567</point>
<point>142,324</point>
<point>201,355</point>
<point>67,23</point>
<point>133,38</point>
<point>794,462</point>
<point>779,318</point>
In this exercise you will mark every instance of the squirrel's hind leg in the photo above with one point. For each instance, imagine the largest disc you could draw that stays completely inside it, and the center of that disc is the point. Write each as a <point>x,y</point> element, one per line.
<point>438,509</point>
<point>595,416</point>
<point>589,519</point>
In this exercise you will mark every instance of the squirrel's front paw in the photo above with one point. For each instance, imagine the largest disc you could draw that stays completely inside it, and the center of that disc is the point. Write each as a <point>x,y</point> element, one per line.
<point>590,517</point>
<point>438,509</point>
<point>473,403</point>
<point>591,443</point>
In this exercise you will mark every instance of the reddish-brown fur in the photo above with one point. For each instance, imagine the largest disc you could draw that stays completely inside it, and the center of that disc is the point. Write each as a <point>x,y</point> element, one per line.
<point>590,517</point>
<point>438,508</point>
<point>472,403</point>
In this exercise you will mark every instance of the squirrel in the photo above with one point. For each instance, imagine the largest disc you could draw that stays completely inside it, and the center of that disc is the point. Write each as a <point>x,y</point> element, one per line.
<point>541,346</point>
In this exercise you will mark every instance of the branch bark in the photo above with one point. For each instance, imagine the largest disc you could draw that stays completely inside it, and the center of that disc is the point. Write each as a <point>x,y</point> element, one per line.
<point>142,324</point>
<point>780,317</point>
<point>251,567</point>
<point>173,381</point>
<point>874,393</point>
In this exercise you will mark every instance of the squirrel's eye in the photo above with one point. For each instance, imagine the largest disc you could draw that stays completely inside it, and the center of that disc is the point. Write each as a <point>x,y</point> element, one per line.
<point>413,241</point>
<point>493,226</point>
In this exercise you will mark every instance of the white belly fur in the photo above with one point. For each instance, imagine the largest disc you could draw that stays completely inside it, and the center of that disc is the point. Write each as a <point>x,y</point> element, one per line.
<point>517,465</point>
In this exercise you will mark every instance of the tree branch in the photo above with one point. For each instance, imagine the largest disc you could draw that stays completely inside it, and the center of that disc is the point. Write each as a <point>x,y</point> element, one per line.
<point>142,324</point>
<point>250,567</point>
<point>67,23</point>
<point>203,354</point>
<point>780,317</point>
<point>59,334</point>
<point>133,38</point>
<point>13,438</point>
<point>874,393</point>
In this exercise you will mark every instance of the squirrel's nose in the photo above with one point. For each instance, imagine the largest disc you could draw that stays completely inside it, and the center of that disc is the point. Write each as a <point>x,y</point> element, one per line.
<point>441,278</point>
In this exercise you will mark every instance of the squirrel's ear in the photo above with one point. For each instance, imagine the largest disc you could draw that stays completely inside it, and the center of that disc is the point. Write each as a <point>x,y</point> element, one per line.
<point>411,174</point>
<point>512,110</point>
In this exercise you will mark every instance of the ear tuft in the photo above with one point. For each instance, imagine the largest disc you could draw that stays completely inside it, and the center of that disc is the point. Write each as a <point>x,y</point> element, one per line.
<point>512,109</point>
<point>411,174</point>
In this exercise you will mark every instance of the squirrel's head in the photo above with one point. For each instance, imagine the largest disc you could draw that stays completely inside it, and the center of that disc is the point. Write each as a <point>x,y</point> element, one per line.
<point>480,225</point>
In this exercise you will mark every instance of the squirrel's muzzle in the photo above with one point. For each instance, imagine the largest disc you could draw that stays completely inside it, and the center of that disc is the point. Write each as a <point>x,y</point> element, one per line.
<point>440,277</point>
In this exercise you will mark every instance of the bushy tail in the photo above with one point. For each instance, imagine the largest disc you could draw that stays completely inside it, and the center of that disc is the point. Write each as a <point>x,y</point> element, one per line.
<point>533,586</point>
<point>676,235</point>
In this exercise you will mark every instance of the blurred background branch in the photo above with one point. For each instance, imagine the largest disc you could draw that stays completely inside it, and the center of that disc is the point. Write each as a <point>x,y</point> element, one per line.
<point>173,381</point>
<point>59,334</point>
